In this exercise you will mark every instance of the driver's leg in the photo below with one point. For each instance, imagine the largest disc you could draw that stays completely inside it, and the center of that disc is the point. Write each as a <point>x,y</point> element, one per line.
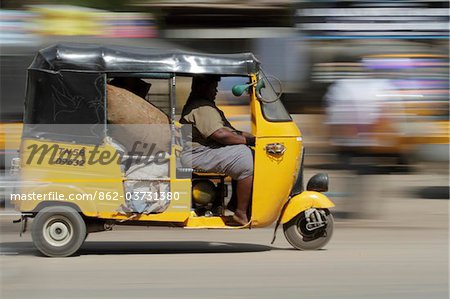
<point>235,161</point>
<point>232,204</point>
<point>244,191</point>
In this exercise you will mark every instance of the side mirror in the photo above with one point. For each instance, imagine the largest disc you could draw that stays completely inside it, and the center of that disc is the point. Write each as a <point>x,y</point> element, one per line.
<point>239,89</point>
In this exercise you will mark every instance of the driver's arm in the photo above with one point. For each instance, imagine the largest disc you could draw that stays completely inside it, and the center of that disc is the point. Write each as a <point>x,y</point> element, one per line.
<point>245,134</point>
<point>209,123</point>
<point>226,137</point>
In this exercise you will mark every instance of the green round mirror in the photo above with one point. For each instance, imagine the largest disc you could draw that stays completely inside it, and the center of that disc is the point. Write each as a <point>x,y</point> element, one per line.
<point>239,89</point>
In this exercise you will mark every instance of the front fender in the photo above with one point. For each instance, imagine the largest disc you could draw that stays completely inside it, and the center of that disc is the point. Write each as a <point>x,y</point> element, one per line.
<point>304,201</point>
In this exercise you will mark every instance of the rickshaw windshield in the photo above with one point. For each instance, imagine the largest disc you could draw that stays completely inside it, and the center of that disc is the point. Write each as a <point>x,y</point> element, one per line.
<point>272,107</point>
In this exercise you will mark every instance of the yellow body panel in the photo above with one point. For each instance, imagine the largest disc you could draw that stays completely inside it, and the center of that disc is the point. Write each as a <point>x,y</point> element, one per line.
<point>90,179</point>
<point>103,183</point>
<point>195,222</point>
<point>274,175</point>
<point>304,201</point>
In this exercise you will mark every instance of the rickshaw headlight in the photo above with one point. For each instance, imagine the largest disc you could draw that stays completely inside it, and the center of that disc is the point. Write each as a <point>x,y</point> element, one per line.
<point>318,182</point>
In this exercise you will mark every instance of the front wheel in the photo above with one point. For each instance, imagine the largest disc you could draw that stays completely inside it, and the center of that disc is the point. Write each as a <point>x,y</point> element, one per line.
<point>309,233</point>
<point>58,231</point>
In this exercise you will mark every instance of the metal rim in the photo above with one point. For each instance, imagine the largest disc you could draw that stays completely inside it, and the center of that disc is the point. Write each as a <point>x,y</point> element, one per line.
<point>58,231</point>
<point>306,234</point>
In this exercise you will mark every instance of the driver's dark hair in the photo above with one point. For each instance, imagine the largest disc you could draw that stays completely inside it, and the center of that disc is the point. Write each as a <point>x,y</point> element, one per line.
<point>198,81</point>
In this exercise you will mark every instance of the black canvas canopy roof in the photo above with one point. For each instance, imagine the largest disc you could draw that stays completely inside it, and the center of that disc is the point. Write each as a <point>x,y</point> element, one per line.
<point>101,58</point>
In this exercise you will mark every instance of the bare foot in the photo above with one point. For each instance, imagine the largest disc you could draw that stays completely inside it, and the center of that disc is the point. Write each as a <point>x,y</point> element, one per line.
<point>240,217</point>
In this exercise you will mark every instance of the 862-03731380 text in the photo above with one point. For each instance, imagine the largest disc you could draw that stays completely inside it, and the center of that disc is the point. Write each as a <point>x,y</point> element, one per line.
<point>97,195</point>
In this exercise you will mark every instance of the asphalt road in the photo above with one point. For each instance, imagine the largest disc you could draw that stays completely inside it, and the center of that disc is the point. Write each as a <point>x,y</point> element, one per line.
<point>402,252</point>
<point>365,259</point>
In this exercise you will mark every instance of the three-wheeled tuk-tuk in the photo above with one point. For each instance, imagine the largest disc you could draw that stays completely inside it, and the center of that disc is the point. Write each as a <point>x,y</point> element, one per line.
<point>101,147</point>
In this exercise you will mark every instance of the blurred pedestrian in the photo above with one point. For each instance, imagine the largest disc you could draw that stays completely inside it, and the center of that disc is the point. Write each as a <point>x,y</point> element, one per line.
<point>356,115</point>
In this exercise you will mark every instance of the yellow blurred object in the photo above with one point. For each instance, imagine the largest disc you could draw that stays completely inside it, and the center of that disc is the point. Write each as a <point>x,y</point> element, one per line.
<point>66,20</point>
<point>10,138</point>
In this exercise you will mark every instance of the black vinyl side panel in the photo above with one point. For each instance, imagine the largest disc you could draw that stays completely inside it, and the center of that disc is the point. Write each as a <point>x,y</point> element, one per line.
<point>66,106</point>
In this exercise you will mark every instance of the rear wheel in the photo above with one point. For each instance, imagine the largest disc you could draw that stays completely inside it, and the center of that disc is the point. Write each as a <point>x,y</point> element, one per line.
<point>302,237</point>
<point>58,231</point>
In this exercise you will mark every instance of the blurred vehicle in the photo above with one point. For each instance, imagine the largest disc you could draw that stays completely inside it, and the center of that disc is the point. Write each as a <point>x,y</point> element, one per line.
<point>359,124</point>
<point>418,107</point>
<point>411,109</point>
<point>72,115</point>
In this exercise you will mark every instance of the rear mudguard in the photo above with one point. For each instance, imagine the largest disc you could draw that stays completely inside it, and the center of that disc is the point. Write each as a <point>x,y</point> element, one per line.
<point>304,201</point>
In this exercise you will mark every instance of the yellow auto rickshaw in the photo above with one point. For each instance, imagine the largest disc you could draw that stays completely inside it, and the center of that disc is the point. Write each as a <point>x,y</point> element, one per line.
<point>78,174</point>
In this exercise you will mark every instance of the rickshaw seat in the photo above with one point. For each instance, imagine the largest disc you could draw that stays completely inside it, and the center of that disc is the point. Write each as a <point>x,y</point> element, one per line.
<point>184,172</point>
<point>201,172</point>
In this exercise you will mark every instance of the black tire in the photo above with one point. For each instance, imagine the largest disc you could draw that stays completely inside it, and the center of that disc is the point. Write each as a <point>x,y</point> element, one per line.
<point>58,231</point>
<point>302,239</point>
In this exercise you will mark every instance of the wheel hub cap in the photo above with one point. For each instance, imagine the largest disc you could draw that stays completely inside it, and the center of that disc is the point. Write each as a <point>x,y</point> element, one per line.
<point>58,231</point>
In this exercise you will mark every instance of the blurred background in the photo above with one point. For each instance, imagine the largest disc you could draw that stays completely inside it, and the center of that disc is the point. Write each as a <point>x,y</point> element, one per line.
<point>367,82</point>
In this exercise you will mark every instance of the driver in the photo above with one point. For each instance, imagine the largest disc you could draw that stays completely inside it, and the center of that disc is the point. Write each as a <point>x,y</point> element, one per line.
<point>217,146</point>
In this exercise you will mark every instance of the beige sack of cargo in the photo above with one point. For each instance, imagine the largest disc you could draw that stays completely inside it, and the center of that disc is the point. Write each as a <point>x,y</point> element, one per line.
<point>137,124</point>
<point>125,107</point>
